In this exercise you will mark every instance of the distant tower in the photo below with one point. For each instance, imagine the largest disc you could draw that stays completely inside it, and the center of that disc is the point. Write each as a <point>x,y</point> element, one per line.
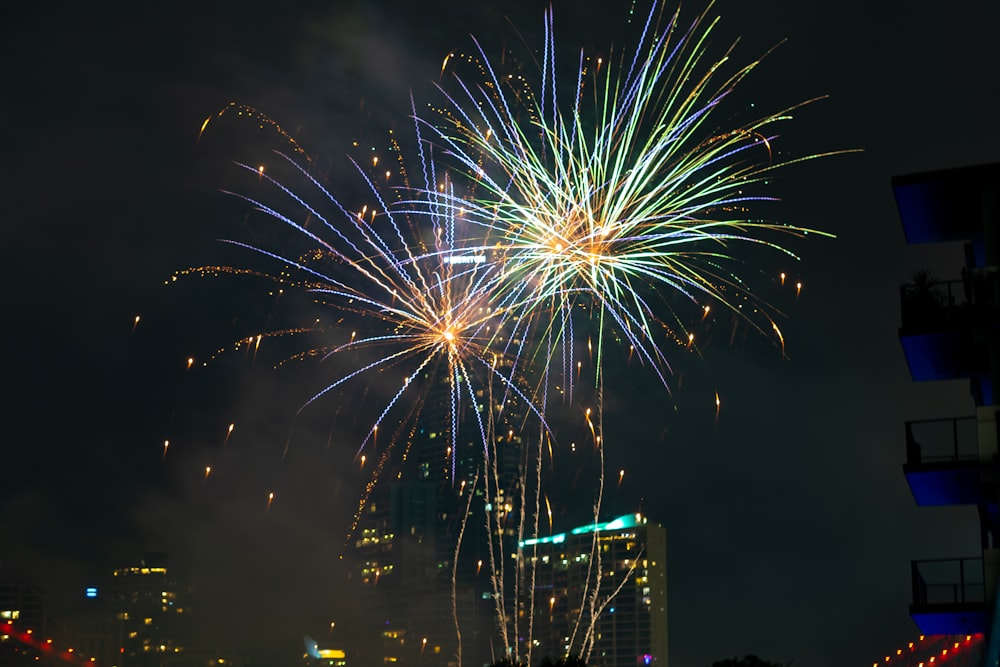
<point>404,544</point>
<point>24,606</point>
<point>93,628</point>
<point>151,613</point>
<point>627,555</point>
<point>23,618</point>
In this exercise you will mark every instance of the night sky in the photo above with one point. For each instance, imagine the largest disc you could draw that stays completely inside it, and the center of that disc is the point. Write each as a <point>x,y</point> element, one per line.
<point>790,526</point>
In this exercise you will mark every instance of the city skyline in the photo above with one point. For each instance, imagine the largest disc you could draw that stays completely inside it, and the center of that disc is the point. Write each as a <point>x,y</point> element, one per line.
<point>145,612</point>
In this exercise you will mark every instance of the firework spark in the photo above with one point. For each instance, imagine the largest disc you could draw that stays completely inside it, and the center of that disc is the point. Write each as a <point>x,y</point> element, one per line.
<point>624,197</point>
<point>414,297</point>
<point>605,205</point>
<point>621,211</point>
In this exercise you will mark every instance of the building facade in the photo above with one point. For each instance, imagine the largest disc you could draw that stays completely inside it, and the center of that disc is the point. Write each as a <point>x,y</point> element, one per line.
<point>601,593</point>
<point>152,614</point>
<point>93,627</point>
<point>24,606</point>
<point>424,537</point>
<point>950,330</point>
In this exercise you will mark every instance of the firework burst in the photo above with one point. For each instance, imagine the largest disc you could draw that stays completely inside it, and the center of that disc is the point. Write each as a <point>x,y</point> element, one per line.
<point>613,199</point>
<point>613,207</point>
<point>625,195</point>
<point>414,305</point>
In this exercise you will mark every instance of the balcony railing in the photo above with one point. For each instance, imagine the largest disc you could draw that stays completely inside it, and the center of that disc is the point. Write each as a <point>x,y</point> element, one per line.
<point>941,440</point>
<point>934,303</point>
<point>943,302</point>
<point>948,582</point>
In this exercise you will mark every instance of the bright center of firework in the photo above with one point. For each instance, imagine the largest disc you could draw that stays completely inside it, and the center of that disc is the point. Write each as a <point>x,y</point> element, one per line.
<point>575,240</point>
<point>449,335</point>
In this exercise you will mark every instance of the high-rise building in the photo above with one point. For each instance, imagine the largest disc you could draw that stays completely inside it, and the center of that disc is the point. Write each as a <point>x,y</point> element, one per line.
<point>152,613</point>
<point>24,606</point>
<point>24,625</point>
<point>950,330</point>
<point>91,625</point>
<point>430,505</point>
<point>614,572</point>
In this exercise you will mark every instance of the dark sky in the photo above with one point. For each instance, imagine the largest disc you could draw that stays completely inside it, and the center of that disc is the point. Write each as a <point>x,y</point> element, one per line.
<point>790,525</point>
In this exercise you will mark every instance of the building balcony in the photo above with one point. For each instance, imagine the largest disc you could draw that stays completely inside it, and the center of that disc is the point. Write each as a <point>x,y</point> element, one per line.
<point>947,205</point>
<point>949,596</point>
<point>944,465</point>
<point>947,327</point>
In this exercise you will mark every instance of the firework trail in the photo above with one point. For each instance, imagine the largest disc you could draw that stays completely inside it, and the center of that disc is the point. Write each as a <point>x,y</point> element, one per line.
<point>622,197</point>
<point>611,211</point>
<point>413,291</point>
<point>416,296</point>
<point>608,205</point>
